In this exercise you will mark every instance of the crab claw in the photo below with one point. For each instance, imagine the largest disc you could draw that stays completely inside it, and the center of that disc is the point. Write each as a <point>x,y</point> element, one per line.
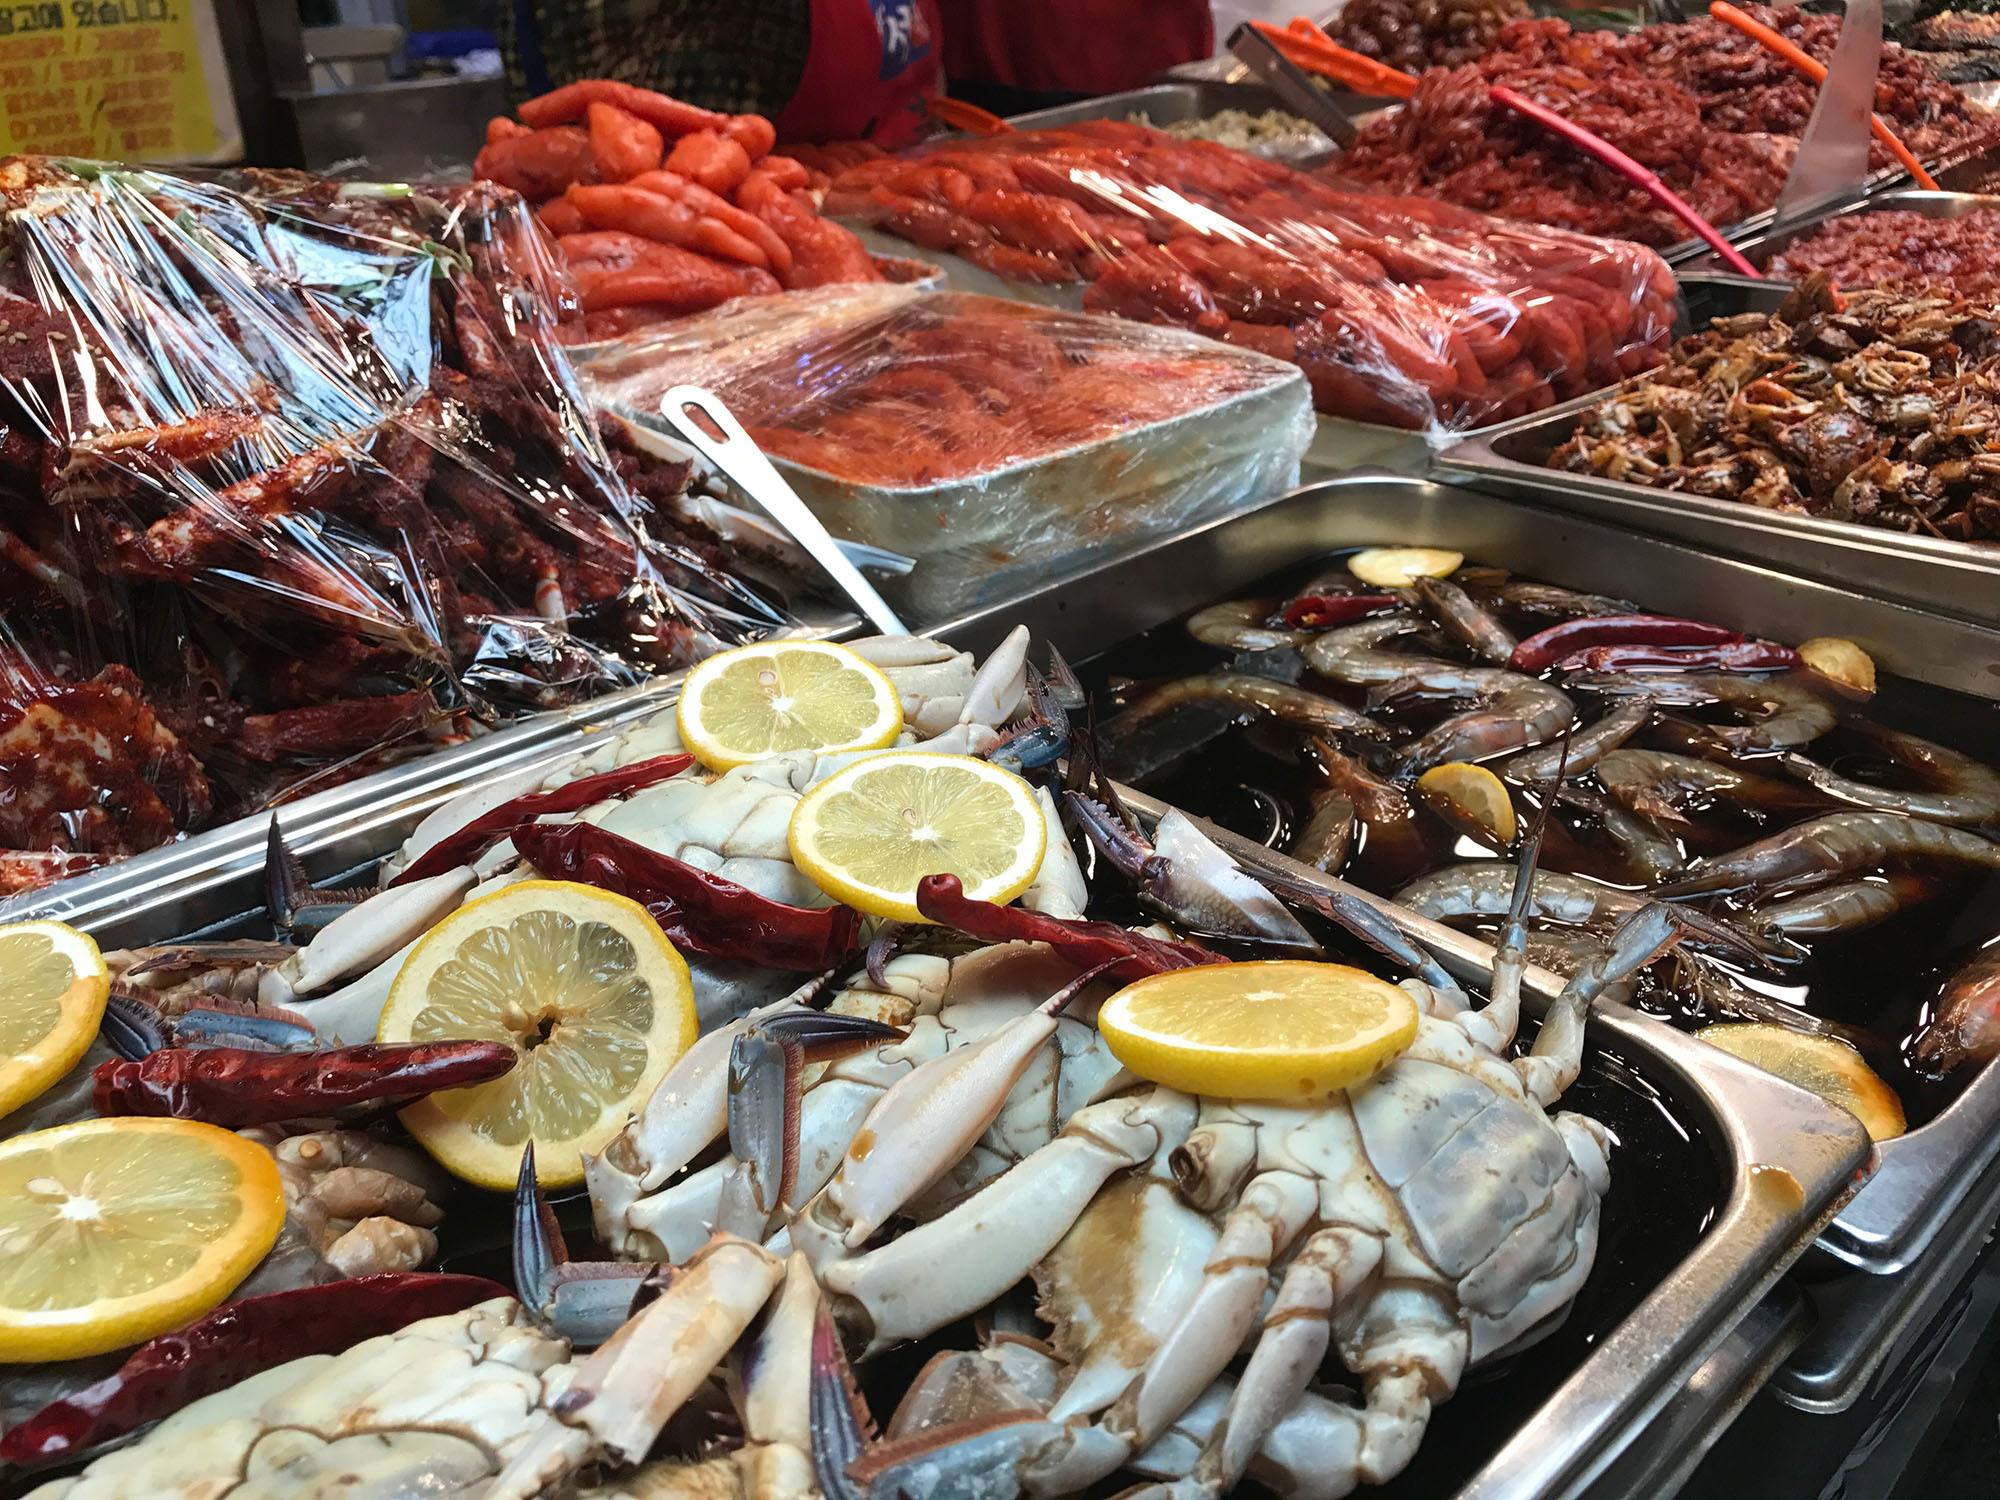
<point>767,1062</point>
<point>584,1301</point>
<point>1363,921</point>
<point>132,1028</point>
<point>837,1417</point>
<point>1042,738</point>
<point>622,1396</point>
<point>295,905</point>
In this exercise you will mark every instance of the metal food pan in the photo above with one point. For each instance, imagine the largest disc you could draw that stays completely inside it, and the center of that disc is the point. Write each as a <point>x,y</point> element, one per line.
<point>1783,1158</point>
<point>992,536</point>
<point>1924,1176</point>
<point>1955,578</point>
<point>1762,248</point>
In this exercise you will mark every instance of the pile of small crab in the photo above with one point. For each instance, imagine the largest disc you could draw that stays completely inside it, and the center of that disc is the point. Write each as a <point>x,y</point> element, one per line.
<point>1882,408</point>
<point>876,1146</point>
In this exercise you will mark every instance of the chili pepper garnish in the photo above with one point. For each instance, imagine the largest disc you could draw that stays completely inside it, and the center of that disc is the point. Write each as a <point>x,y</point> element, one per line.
<point>696,909</point>
<point>229,1345</point>
<point>1546,647</point>
<point>1731,656</point>
<point>235,1088</point>
<point>469,842</point>
<point>1123,953</point>
<point>1318,611</point>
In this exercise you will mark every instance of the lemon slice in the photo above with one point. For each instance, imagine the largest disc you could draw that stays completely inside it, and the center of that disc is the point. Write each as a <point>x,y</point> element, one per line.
<point>759,701</point>
<point>1471,799</point>
<point>1818,1064</point>
<point>1399,567</point>
<point>114,1231</point>
<point>1278,1029</point>
<point>867,834</point>
<point>587,990</point>
<point>53,985</point>
<point>1840,660</point>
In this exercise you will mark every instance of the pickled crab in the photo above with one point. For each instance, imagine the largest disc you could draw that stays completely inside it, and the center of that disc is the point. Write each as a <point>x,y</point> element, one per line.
<point>1424,1220</point>
<point>638,786</point>
<point>484,1401</point>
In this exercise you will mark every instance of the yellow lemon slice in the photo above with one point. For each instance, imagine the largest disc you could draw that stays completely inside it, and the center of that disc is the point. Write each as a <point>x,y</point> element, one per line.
<point>867,834</point>
<point>759,701</point>
<point>587,990</point>
<point>1472,799</point>
<point>1840,660</point>
<point>1399,567</point>
<point>1279,1029</point>
<point>1818,1064</point>
<point>115,1231</point>
<point>53,985</point>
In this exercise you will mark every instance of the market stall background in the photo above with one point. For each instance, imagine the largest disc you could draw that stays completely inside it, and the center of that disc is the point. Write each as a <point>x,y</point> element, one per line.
<point>315,511</point>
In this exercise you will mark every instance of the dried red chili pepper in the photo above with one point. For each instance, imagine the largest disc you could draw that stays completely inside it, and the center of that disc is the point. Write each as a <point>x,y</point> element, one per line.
<point>1317,611</point>
<point>1546,647</point>
<point>694,908</point>
<point>229,1345</point>
<point>234,1088</point>
<point>1731,656</point>
<point>469,842</point>
<point>1128,954</point>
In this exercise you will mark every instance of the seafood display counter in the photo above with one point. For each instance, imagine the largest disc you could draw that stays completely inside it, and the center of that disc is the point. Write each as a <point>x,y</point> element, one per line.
<point>1722,1177</point>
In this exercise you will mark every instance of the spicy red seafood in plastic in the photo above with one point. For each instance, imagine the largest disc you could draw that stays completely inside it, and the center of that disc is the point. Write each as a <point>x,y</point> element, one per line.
<point>294,481</point>
<point>1403,311</point>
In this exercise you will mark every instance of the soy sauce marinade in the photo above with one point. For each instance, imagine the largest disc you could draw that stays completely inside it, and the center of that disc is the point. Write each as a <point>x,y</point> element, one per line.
<point>1253,779</point>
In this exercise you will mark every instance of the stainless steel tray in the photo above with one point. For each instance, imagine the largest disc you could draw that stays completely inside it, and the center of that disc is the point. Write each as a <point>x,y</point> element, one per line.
<point>1762,248</point>
<point>1961,579</point>
<point>1784,1159</point>
<point>1193,99</point>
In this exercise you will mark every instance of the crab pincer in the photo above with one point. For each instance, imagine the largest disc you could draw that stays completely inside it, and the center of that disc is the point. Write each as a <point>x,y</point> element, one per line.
<point>227,1346</point>
<point>234,1088</point>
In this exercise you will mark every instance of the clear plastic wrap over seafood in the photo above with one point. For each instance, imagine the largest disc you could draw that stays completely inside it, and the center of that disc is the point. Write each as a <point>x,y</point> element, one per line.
<point>991,440</point>
<point>1402,311</point>
<point>296,481</point>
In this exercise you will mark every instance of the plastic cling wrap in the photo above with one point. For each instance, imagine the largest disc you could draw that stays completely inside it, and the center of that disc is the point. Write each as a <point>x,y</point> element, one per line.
<point>1403,311</point>
<point>993,441</point>
<point>294,480</point>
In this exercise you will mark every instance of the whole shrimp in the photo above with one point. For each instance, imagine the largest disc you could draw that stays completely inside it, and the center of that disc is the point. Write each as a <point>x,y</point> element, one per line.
<point>1464,621</point>
<point>1655,785</point>
<point>1846,843</point>
<point>1965,1025</point>
<point>1390,840</point>
<point>1783,712</point>
<point>1241,691</point>
<point>1956,788</point>
<point>1512,711</point>
<point>1586,747</point>
<point>1238,625</point>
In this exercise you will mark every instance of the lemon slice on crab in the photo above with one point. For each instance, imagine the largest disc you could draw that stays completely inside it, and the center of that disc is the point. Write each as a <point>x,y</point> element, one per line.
<point>868,833</point>
<point>587,990</point>
<point>53,986</point>
<point>1818,1064</point>
<point>114,1231</point>
<point>1278,1029</point>
<point>758,701</point>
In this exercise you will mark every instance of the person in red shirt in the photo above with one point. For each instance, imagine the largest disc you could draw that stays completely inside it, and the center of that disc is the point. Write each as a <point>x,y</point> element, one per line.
<point>1009,55</point>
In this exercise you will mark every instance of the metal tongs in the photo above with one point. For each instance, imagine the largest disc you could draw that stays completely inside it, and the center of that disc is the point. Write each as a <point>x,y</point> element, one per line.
<point>1293,86</point>
<point>739,460</point>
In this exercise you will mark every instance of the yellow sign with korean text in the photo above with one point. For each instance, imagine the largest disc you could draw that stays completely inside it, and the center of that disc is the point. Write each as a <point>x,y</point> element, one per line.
<point>123,80</point>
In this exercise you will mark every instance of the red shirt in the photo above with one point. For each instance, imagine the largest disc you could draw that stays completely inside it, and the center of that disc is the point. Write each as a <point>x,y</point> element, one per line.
<point>872,64</point>
<point>1072,46</point>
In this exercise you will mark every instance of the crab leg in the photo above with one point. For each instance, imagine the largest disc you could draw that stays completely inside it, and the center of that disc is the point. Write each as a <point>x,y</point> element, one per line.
<point>920,1127</point>
<point>625,1392</point>
<point>1552,1065</point>
<point>921,1280</point>
<point>364,935</point>
<point>1322,1278</point>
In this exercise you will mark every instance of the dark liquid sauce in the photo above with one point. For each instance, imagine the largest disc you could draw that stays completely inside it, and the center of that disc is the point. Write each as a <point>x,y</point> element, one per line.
<point>1881,980</point>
